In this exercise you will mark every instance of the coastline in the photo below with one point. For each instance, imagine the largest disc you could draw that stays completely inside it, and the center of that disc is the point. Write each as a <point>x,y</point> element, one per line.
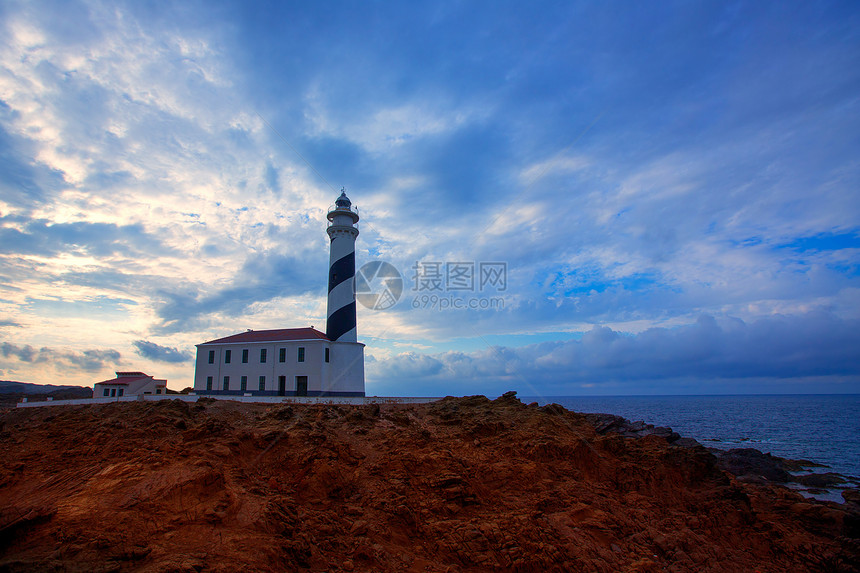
<point>811,479</point>
<point>821,428</point>
<point>467,484</point>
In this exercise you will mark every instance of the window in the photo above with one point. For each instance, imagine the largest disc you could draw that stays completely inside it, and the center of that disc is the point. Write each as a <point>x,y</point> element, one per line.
<point>282,355</point>
<point>301,353</point>
<point>157,391</point>
<point>262,383</point>
<point>326,354</point>
<point>227,356</point>
<point>209,383</point>
<point>243,382</point>
<point>244,356</point>
<point>112,392</point>
<point>211,357</point>
<point>262,355</point>
<point>107,392</point>
<point>226,381</point>
<point>121,390</point>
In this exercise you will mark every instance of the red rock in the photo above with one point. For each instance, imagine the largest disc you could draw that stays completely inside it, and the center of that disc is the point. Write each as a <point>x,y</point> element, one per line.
<point>462,485</point>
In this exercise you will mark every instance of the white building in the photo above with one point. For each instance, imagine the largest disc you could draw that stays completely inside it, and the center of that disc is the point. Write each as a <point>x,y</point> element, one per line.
<point>284,362</point>
<point>296,361</point>
<point>129,384</point>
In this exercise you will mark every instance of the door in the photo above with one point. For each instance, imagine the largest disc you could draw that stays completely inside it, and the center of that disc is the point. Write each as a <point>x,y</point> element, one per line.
<point>282,385</point>
<point>301,385</point>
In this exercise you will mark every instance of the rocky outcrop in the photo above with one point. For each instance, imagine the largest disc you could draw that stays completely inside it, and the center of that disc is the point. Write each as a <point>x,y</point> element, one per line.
<point>748,465</point>
<point>464,484</point>
<point>749,462</point>
<point>752,466</point>
<point>609,423</point>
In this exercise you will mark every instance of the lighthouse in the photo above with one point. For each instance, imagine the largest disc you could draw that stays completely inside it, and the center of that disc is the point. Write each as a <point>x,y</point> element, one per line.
<point>296,361</point>
<point>342,230</point>
<point>346,375</point>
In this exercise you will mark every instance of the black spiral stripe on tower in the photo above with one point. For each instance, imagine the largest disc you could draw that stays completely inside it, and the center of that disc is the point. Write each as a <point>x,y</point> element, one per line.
<point>340,322</point>
<point>341,270</point>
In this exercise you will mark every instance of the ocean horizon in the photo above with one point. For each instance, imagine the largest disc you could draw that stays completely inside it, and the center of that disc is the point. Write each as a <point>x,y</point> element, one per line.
<point>823,428</point>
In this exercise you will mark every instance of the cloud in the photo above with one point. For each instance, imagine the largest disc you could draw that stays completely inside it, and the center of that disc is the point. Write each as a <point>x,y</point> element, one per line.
<point>409,365</point>
<point>96,306</point>
<point>272,178</point>
<point>23,184</point>
<point>720,177</point>
<point>160,353</point>
<point>23,353</point>
<point>778,348</point>
<point>45,238</point>
<point>262,277</point>
<point>86,360</point>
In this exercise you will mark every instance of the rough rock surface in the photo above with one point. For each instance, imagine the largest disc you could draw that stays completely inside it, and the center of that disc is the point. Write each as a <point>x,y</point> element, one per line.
<point>612,424</point>
<point>465,484</point>
<point>746,464</point>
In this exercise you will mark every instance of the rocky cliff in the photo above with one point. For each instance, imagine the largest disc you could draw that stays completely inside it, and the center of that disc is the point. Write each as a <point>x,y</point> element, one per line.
<point>464,484</point>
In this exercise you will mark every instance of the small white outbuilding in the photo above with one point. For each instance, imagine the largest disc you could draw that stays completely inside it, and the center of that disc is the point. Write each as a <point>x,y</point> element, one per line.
<point>129,384</point>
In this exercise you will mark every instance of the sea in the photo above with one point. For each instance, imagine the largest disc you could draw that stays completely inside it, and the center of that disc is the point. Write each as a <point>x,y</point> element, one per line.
<point>821,428</point>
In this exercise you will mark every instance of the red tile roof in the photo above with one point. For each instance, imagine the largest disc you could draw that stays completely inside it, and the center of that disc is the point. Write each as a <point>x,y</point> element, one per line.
<point>278,335</point>
<point>124,380</point>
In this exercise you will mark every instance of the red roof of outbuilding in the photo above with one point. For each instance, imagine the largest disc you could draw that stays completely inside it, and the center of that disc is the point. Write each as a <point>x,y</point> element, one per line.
<point>124,379</point>
<point>278,335</point>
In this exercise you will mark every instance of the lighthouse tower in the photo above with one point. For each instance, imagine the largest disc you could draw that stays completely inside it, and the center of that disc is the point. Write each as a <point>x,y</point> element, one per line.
<point>342,230</point>
<point>347,368</point>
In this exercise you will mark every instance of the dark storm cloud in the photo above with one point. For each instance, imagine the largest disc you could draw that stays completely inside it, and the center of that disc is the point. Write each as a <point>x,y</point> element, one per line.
<point>160,353</point>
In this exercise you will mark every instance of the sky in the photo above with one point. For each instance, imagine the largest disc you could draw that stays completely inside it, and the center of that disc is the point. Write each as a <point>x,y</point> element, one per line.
<point>579,198</point>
